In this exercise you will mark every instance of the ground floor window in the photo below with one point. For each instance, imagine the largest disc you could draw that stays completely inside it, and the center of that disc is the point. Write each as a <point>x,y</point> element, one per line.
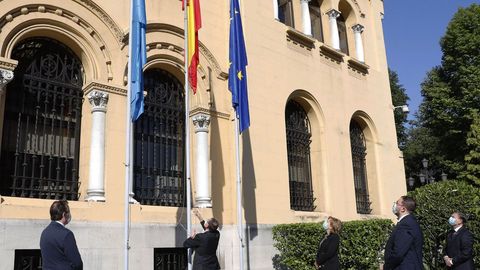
<point>28,259</point>
<point>170,259</point>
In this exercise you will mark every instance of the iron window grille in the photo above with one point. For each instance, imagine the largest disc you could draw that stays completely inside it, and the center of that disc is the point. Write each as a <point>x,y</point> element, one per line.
<point>28,259</point>
<point>170,258</point>
<point>359,152</point>
<point>159,142</point>
<point>298,150</point>
<point>41,130</point>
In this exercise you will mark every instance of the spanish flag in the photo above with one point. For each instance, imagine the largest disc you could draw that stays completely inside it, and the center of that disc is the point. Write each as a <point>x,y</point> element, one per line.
<point>194,24</point>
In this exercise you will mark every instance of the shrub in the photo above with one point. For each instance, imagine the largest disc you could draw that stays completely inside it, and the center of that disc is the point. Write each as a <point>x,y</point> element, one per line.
<point>361,244</point>
<point>436,202</point>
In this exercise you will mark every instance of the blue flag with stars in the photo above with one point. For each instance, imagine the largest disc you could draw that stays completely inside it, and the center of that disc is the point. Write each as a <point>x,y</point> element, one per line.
<point>237,73</point>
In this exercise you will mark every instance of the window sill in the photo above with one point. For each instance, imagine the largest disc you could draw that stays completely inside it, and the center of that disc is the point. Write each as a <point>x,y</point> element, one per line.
<point>331,53</point>
<point>358,66</point>
<point>300,39</point>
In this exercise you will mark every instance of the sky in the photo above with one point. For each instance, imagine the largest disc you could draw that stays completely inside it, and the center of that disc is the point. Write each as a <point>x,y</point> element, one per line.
<point>412,30</point>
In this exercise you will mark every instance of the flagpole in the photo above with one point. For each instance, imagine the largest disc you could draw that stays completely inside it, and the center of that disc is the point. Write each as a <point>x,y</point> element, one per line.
<point>128,143</point>
<point>187,135</point>
<point>239,194</point>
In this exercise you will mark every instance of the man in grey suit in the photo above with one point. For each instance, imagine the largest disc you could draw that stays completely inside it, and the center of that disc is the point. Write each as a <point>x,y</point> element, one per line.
<point>57,243</point>
<point>403,250</point>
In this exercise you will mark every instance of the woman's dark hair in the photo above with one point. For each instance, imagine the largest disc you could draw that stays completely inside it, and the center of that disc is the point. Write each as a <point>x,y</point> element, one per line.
<point>57,210</point>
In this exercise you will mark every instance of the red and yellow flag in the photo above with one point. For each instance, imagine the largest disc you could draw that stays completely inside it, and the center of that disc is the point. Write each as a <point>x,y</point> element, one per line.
<point>194,24</point>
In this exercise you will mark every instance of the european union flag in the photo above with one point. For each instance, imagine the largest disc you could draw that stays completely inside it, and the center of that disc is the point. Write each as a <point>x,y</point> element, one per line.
<point>138,57</point>
<point>237,74</point>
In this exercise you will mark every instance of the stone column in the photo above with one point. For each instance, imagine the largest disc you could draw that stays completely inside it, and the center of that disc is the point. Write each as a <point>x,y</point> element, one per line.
<point>275,9</point>
<point>357,30</point>
<point>307,23</point>
<point>96,186</point>
<point>203,196</point>
<point>332,19</point>
<point>5,77</point>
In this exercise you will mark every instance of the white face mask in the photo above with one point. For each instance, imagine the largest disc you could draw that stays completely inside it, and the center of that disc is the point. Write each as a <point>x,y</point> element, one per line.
<point>452,221</point>
<point>325,224</point>
<point>394,208</point>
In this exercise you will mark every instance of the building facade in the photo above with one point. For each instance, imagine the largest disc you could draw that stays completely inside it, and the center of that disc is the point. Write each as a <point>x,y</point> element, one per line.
<point>322,139</point>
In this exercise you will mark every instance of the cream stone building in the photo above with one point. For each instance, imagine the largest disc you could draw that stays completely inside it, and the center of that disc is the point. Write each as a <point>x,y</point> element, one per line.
<point>322,138</point>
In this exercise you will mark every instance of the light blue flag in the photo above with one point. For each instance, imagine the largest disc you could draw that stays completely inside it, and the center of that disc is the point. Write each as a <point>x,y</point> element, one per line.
<point>237,73</point>
<point>138,57</point>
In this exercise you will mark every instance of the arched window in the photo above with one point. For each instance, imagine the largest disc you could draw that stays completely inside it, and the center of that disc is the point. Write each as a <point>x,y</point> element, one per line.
<point>316,19</point>
<point>285,12</point>
<point>359,152</point>
<point>41,128</point>
<point>159,142</point>
<point>342,34</point>
<point>298,150</point>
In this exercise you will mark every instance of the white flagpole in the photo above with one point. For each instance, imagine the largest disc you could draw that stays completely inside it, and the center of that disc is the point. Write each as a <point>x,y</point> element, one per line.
<point>128,144</point>
<point>187,135</point>
<point>239,194</point>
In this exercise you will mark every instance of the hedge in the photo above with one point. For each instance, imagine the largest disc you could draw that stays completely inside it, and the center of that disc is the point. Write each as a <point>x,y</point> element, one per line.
<point>361,245</point>
<point>435,204</point>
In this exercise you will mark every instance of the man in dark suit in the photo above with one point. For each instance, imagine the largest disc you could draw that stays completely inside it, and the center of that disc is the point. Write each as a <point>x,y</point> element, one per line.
<point>205,245</point>
<point>459,248</point>
<point>403,250</point>
<point>57,243</point>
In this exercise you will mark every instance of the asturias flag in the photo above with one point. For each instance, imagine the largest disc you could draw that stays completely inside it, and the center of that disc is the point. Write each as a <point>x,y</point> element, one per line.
<point>237,74</point>
<point>138,57</point>
<point>194,24</point>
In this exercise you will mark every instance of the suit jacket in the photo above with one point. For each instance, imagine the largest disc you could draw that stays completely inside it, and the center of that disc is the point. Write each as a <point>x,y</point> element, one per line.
<point>205,245</point>
<point>403,250</point>
<point>460,248</point>
<point>327,254</point>
<point>59,249</point>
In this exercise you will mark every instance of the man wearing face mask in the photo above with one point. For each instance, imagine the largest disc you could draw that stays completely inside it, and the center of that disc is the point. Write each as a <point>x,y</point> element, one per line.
<point>57,243</point>
<point>403,250</point>
<point>459,248</point>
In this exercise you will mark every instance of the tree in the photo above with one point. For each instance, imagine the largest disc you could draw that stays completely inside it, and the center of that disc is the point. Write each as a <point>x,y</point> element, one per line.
<point>451,96</point>
<point>473,157</point>
<point>399,98</point>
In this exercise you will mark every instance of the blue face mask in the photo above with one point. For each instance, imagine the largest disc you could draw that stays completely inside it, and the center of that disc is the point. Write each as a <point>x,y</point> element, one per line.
<point>325,225</point>
<point>452,221</point>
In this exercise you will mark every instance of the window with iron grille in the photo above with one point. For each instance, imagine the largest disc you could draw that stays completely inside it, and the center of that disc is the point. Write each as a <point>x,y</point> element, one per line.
<point>159,134</point>
<point>298,150</point>
<point>359,152</point>
<point>342,34</point>
<point>41,128</point>
<point>285,12</point>
<point>316,19</point>
<point>28,259</point>
<point>170,258</point>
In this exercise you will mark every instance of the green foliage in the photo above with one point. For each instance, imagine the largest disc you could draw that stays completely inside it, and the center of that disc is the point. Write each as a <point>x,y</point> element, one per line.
<point>473,157</point>
<point>399,98</point>
<point>451,95</point>
<point>436,202</point>
<point>361,244</point>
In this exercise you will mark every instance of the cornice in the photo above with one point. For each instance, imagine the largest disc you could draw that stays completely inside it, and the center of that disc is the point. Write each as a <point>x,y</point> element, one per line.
<point>8,64</point>
<point>109,88</point>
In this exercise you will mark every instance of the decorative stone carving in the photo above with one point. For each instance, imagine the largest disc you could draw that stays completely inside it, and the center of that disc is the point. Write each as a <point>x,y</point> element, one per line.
<point>98,100</point>
<point>5,77</point>
<point>358,28</point>
<point>201,122</point>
